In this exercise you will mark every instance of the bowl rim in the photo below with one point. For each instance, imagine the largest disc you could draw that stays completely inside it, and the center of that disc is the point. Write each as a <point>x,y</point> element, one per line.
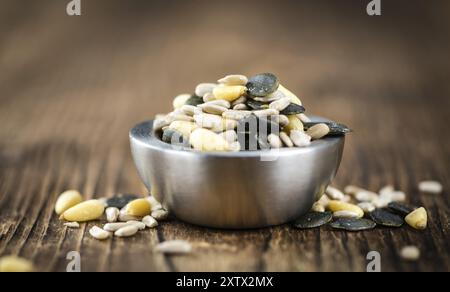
<point>142,134</point>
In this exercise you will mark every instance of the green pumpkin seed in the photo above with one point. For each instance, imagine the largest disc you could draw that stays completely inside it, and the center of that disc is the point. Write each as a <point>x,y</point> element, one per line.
<point>256,105</point>
<point>262,85</point>
<point>313,220</point>
<point>352,224</point>
<point>293,109</point>
<point>120,201</point>
<point>336,129</point>
<point>194,100</point>
<point>386,218</point>
<point>401,209</point>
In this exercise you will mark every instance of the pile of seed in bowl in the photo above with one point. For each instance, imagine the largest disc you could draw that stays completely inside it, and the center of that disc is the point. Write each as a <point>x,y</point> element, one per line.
<point>241,114</point>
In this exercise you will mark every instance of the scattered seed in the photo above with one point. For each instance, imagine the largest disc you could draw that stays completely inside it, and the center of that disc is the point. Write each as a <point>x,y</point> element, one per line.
<point>113,227</point>
<point>313,220</point>
<point>204,88</point>
<point>174,247</point>
<point>229,93</point>
<point>352,190</point>
<point>352,224</point>
<point>418,219</point>
<point>67,200</point>
<point>346,214</point>
<point>14,264</point>
<point>150,222</point>
<point>127,231</point>
<point>234,80</point>
<point>138,208</point>
<point>274,141</point>
<point>317,207</point>
<point>431,187</point>
<point>154,202</point>
<point>318,131</point>
<point>262,85</point>
<point>139,224</point>
<point>181,100</point>
<point>396,196</point>
<point>367,207</point>
<point>240,107</point>
<point>381,203</point>
<point>336,206</point>
<point>86,211</point>
<point>365,196</point>
<point>334,193</point>
<point>236,115</point>
<point>385,218</point>
<point>294,125</point>
<point>112,214</point>
<point>300,139</point>
<point>124,217</point>
<point>410,253</point>
<point>386,190</point>
<point>400,208</point>
<point>160,215</point>
<point>121,201</point>
<point>286,140</point>
<point>98,233</point>
<point>74,225</point>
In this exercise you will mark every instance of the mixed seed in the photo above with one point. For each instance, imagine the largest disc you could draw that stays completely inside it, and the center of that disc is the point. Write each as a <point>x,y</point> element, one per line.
<point>241,114</point>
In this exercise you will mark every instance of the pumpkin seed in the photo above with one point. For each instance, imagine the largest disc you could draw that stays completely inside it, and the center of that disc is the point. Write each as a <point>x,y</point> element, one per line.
<point>345,214</point>
<point>431,187</point>
<point>127,231</point>
<point>300,139</point>
<point>138,208</point>
<point>294,125</point>
<point>14,264</point>
<point>256,105</point>
<point>240,100</point>
<point>74,225</point>
<point>194,100</point>
<point>191,110</point>
<point>418,219</point>
<point>317,207</point>
<point>274,141</point>
<point>280,104</point>
<point>262,85</point>
<point>174,247</point>
<point>335,129</point>
<point>205,140</point>
<point>150,222</point>
<point>293,109</point>
<point>334,193</point>
<point>410,253</point>
<point>234,80</point>
<point>98,233</point>
<point>401,209</point>
<point>240,107</point>
<point>318,131</point>
<point>236,115</point>
<point>352,224</point>
<point>229,93</point>
<point>204,88</point>
<point>313,220</point>
<point>121,201</point>
<point>112,214</point>
<point>160,215</point>
<point>367,207</point>
<point>67,200</point>
<point>173,137</point>
<point>213,109</point>
<point>181,100</point>
<point>266,113</point>
<point>86,211</point>
<point>286,140</point>
<point>385,218</point>
<point>336,206</point>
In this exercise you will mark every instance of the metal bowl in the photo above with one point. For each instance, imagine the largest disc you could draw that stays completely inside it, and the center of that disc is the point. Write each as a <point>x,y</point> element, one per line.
<point>240,190</point>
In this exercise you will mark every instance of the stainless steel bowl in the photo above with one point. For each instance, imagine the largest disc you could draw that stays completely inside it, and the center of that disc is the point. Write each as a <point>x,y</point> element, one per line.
<point>235,190</point>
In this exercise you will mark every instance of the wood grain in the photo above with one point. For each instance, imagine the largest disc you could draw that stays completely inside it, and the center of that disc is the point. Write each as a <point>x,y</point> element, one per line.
<point>72,87</point>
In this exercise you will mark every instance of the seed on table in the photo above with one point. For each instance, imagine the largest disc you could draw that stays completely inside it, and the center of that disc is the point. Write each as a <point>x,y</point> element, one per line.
<point>213,109</point>
<point>318,131</point>
<point>67,200</point>
<point>236,115</point>
<point>365,196</point>
<point>280,104</point>
<point>317,207</point>
<point>112,214</point>
<point>204,88</point>
<point>240,100</point>
<point>139,224</point>
<point>266,113</point>
<point>418,219</point>
<point>334,193</point>
<point>386,190</point>
<point>86,211</point>
<point>286,140</point>
<point>240,107</point>
<point>138,208</point>
<point>113,227</point>
<point>208,97</point>
<point>410,253</point>
<point>385,218</point>
<point>401,209</point>
<point>396,196</point>
<point>431,187</point>
<point>288,93</point>
<point>294,125</point>
<point>14,264</point>
<point>121,200</point>
<point>98,233</point>
<point>206,140</point>
<point>367,207</point>
<point>352,190</point>
<point>220,102</point>
<point>230,136</point>
<point>160,215</point>
<point>352,224</point>
<point>336,206</point>
<point>262,85</point>
<point>154,203</point>
<point>74,225</point>
<point>174,247</point>
<point>125,217</point>
<point>304,118</point>
<point>229,93</point>
<point>127,231</point>
<point>274,141</point>
<point>234,80</point>
<point>381,203</point>
<point>191,110</point>
<point>181,100</point>
<point>150,222</point>
<point>313,220</point>
<point>346,214</point>
<point>300,139</point>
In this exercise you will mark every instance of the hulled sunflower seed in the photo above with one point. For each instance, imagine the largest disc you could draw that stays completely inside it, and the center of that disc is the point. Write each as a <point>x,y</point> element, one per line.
<point>266,113</point>
<point>209,97</point>
<point>286,140</point>
<point>204,88</point>
<point>262,85</point>
<point>431,187</point>
<point>352,190</point>
<point>236,115</point>
<point>67,200</point>
<point>140,225</point>
<point>220,102</point>
<point>112,214</point>
<point>240,107</point>
<point>346,214</point>
<point>206,140</point>
<point>98,233</point>
<point>274,141</point>
<point>174,247</point>
<point>335,129</point>
<point>396,196</point>
<point>181,100</point>
<point>280,104</point>
<point>418,219</point>
<point>113,227</point>
<point>318,131</point>
<point>154,202</point>
<point>300,139</point>
<point>160,215</point>
<point>230,136</point>
<point>313,220</point>
<point>185,128</point>
<point>386,190</point>
<point>74,225</point>
<point>336,206</point>
<point>86,211</point>
<point>234,80</point>
<point>14,264</point>
<point>229,93</point>
<point>150,222</point>
<point>324,201</point>
<point>235,146</point>
<point>180,117</point>
<point>385,218</point>
<point>381,203</point>
<point>213,109</point>
<point>367,207</point>
<point>317,207</point>
<point>365,196</point>
<point>304,118</point>
<point>240,100</point>
<point>294,125</point>
<point>334,193</point>
<point>288,93</point>
<point>282,120</point>
<point>410,253</point>
<point>191,110</point>
<point>352,224</point>
<point>125,217</point>
<point>127,231</point>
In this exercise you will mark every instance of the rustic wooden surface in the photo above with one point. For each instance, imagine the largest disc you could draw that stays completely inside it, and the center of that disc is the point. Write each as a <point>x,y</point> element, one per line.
<point>71,87</point>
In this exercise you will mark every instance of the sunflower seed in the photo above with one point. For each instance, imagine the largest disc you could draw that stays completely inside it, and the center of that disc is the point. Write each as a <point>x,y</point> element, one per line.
<point>336,206</point>
<point>304,118</point>
<point>154,202</point>
<point>318,131</point>
<point>14,264</point>
<point>194,100</point>
<point>206,141</point>
<point>234,80</point>
<point>139,224</point>
<point>410,253</point>
<point>74,225</point>
<point>396,196</point>
<point>313,220</point>
<point>274,141</point>
<point>98,233</point>
<point>125,217</point>
<point>386,190</point>
<point>181,100</point>
<point>230,136</point>
<point>112,214</point>
<point>160,215</point>
<point>293,109</point>
<point>286,140</point>
<point>121,201</point>
<point>317,207</point>
<point>256,105</point>
<point>204,88</point>
<point>240,100</point>
<point>191,110</point>
<point>282,120</point>
<point>418,219</point>
<point>262,85</point>
<point>280,104</point>
<point>213,109</point>
<point>381,203</point>
<point>334,193</point>
<point>345,214</point>
<point>236,115</point>
<point>180,117</point>
<point>113,227</point>
<point>385,218</point>
<point>324,201</point>
<point>300,139</point>
<point>400,209</point>
<point>352,190</point>
<point>219,102</point>
<point>365,196</point>
<point>150,222</point>
<point>367,207</point>
<point>127,231</point>
<point>352,224</point>
<point>174,247</point>
<point>431,187</point>
<point>209,97</point>
<point>266,113</point>
<point>335,129</point>
<point>240,107</point>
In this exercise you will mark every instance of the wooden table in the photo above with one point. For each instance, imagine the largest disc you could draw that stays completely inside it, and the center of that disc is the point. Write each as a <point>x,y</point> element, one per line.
<point>72,87</point>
